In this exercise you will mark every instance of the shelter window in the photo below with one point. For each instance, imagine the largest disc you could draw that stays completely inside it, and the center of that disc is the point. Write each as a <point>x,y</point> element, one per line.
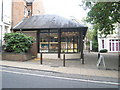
<point>48,41</point>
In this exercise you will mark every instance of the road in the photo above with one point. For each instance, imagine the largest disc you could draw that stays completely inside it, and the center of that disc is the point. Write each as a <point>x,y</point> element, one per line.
<point>22,78</point>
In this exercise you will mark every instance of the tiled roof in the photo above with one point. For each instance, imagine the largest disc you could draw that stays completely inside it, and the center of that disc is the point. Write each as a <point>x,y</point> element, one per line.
<point>47,21</point>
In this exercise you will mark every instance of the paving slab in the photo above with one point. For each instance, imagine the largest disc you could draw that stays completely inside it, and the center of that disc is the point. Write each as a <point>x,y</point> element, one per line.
<point>69,70</point>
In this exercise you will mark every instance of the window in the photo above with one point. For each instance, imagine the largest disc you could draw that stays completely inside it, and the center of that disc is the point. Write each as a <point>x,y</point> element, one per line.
<point>103,44</point>
<point>119,45</point>
<point>53,42</point>
<point>29,12</point>
<point>69,42</point>
<point>110,44</point>
<point>48,41</point>
<point>44,43</point>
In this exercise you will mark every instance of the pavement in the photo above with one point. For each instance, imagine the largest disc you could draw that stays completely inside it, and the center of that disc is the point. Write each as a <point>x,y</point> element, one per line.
<point>72,66</point>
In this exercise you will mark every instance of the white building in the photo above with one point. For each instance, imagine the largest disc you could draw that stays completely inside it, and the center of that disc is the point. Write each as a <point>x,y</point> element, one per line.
<point>111,42</point>
<point>5,17</point>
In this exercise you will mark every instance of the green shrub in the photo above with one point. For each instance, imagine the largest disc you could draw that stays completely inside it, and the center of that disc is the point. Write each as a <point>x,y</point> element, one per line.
<point>17,42</point>
<point>103,51</point>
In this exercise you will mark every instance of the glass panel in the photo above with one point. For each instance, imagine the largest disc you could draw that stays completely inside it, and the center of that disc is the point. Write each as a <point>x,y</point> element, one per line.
<point>113,46</point>
<point>64,44</point>
<point>53,45</point>
<point>75,44</point>
<point>119,45</point>
<point>44,44</point>
<point>103,44</point>
<point>69,42</point>
<point>48,41</point>
<point>110,45</point>
<point>116,46</point>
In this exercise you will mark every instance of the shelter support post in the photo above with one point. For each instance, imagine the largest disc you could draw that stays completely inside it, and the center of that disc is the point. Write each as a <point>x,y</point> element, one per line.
<point>38,41</point>
<point>81,47</point>
<point>59,42</point>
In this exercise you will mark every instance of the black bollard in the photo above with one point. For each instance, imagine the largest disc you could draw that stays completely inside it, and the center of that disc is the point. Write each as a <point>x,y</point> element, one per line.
<point>64,59</point>
<point>83,62</point>
<point>41,58</point>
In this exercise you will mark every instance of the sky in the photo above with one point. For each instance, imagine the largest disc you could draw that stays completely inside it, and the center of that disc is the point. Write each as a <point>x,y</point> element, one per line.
<point>65,8</point>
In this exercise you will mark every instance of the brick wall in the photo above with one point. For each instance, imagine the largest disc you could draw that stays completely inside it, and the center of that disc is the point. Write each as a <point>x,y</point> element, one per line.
<point>37,7</point>
<point>34,47</point>
<point>18,7</point>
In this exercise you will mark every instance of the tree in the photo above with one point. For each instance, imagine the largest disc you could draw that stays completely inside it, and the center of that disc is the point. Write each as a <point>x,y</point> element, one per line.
<point>103,15</point>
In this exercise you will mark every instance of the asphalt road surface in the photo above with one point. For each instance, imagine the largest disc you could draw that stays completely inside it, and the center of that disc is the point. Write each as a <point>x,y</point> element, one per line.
<point>22,78</point>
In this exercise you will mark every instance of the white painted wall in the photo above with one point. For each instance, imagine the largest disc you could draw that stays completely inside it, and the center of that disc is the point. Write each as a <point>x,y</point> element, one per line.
<point>5,17</point>
<point>114,36</point>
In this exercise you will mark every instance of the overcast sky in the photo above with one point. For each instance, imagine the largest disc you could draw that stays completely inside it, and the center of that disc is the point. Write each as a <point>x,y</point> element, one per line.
<point>65,8</point>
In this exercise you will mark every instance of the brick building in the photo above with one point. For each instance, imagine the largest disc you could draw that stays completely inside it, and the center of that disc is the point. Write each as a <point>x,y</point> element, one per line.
<point>25,8</point>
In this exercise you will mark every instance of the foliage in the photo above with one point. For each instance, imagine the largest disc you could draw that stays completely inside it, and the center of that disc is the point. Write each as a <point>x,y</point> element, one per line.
<point>103,51</point>
<point>89,34</point>
<point>17,42</point>
<point>104,15</point>
<point>94,41</point>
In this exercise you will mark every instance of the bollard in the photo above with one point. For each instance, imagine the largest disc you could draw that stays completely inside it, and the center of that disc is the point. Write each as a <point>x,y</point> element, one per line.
<point>64,59</point>
<point>82,59</point>
<point>41,58</point>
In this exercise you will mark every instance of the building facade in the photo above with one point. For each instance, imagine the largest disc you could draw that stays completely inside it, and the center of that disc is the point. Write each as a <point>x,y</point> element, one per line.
<point>111,42</point>
<point>5,18</point>
<point>24,9</point>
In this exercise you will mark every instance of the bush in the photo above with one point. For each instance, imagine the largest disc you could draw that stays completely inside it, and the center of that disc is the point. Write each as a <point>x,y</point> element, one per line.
<point>17,42</point>
<point>103,51</point>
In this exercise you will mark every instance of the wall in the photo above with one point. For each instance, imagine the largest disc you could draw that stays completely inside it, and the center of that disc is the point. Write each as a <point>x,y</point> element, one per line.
<point>114,37</point>
<point>5,17</point>
<point>18,7</point>
<point>34,47</point>
<point>19,10</point>
<point>37,7</point>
